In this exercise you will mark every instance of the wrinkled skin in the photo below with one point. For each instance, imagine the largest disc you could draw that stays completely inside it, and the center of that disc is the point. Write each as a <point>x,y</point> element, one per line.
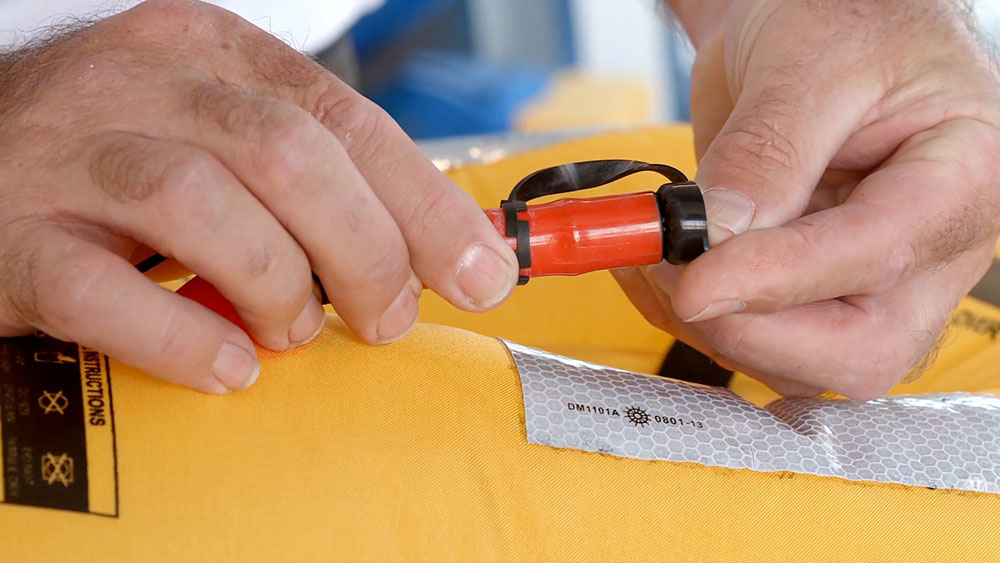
<point>850,156</point>
<point>179,127</point>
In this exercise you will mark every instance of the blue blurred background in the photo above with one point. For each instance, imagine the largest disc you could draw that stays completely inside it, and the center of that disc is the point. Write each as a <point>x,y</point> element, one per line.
<point>459,67</point>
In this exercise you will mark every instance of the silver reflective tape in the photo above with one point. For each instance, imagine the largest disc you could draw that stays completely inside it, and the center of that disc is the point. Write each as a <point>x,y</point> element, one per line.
<point>945,441</point>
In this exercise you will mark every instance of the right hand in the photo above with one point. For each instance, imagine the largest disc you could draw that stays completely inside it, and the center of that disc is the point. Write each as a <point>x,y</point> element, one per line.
<point>180,127</point>
<point>849,153</point>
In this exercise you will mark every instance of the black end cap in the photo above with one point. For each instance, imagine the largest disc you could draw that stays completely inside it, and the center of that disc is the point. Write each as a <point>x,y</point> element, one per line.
<point>685,224</point>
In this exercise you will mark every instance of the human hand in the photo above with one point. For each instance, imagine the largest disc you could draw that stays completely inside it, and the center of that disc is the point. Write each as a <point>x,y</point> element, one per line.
<point>852,149</point>
<point>180,127</point>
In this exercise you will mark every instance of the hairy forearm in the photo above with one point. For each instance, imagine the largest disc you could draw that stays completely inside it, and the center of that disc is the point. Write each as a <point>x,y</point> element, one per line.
<point>699,17</point>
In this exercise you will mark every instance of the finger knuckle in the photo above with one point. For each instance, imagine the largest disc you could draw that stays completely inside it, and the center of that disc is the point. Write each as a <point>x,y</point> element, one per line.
<point>290,297</point>
<point>191,192</point>
<point>900,261</point>
<point>433,208</point>
<point>121,168</point>
<point>283,281</point>
<point>759,141</point>
<point>779,253</point>
<point>357,121</point>
<point>66,279</point>
<point>757,144</point>
<point>280,275</point>
<point>220,105</point>
<point>172,341</point>
<point>248,119</point>
<point>287,139</point>
<point>260,261</point>
<point>382,271</point>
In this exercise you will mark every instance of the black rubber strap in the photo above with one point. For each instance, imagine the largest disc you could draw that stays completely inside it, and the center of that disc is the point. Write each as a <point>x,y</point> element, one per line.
<point>521,230</point>
<point>510,210</point>
<point>585,175</point>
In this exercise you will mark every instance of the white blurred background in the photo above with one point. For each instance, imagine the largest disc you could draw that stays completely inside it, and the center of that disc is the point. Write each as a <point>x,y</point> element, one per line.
<point>459,67</point>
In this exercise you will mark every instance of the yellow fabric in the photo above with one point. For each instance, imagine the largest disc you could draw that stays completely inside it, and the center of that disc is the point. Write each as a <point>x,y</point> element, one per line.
<point>417,452</point>
<point>577,100</point>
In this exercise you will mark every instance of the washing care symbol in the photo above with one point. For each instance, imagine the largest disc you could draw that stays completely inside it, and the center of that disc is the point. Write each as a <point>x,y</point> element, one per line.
<point>637,416</point>
<point>57,469</point>
<point>53,402</point>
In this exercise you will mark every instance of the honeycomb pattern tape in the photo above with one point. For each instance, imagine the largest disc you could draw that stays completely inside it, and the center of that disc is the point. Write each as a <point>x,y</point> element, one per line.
<point>947,441</point>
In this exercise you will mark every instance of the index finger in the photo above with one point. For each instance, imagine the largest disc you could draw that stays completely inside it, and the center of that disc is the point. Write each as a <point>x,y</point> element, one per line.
<point>453,248</point>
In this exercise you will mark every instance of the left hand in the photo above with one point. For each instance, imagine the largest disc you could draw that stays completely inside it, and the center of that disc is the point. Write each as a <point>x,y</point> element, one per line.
<point>850,153</point>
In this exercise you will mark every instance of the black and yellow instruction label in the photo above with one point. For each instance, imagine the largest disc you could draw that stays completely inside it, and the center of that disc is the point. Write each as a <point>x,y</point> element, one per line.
<point>57,426</point>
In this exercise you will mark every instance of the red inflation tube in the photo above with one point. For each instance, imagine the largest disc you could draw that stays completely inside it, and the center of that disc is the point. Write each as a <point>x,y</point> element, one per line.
<point>575,236</point>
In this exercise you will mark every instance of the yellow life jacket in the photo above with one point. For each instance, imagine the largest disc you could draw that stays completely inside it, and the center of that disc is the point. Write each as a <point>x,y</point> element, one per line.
<point>417,451</point>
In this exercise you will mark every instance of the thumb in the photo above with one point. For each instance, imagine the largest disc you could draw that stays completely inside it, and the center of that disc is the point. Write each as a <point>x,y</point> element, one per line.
<point>762,167</point>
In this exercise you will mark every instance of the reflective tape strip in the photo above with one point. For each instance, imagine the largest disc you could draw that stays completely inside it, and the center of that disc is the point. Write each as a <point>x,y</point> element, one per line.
<point>946,441</point>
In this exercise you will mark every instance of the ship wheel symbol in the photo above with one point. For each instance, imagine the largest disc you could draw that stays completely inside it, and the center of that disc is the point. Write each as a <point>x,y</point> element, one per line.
<point>637,416</point>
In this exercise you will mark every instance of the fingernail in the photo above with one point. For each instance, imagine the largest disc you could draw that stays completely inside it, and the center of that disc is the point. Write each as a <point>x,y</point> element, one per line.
<point>484,276</point>
<point>717,309</point>
<point>308,324</point>
<point>729,213</point>
<point>399,318</point>
<point>235,367</point>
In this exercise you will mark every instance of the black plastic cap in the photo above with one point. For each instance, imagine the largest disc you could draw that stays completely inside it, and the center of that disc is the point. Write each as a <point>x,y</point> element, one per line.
<point>685,225</point>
